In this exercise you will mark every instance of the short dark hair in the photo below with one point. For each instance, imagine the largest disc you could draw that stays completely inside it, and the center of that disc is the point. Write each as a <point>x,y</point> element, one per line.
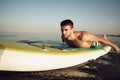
<point>66,22</point>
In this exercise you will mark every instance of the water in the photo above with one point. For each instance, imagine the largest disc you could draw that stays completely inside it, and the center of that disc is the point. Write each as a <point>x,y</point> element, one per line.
<point>106,67</point>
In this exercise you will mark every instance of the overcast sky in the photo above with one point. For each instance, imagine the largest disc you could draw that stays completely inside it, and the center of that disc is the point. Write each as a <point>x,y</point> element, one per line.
<point>44,16</point>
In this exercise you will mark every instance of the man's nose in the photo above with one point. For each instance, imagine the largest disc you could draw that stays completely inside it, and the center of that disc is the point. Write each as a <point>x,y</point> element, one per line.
<point>63,32</point>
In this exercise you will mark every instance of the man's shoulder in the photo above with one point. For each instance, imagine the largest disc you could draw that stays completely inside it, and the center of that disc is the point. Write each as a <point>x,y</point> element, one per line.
<point>81,32</point>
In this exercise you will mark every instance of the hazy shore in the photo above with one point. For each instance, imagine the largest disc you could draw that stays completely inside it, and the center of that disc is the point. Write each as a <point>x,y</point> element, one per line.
<point>112,35</point>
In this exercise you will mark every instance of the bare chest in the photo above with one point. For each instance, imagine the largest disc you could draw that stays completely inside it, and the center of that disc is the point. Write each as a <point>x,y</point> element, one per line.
<point>81,43</point>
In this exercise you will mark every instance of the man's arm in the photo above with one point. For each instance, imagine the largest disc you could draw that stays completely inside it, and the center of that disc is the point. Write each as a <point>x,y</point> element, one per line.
<point>106,42</point>
<point>94,38</point>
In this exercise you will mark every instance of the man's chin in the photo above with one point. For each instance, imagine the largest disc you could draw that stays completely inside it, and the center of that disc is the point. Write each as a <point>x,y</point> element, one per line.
<point>66,37</point>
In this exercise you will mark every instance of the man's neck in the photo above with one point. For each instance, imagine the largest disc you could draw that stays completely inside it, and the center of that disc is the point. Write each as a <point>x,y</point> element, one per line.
<point>72,37</point>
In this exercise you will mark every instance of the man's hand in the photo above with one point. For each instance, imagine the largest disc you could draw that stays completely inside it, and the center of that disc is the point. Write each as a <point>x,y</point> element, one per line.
<point>117,50</point>
<point>62,38</point>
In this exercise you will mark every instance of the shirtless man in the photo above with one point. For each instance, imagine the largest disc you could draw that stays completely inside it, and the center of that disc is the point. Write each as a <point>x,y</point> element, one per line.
<point>81,39</point>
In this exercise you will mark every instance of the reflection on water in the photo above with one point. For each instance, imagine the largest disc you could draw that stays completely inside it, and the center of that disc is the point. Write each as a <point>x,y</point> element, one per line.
<point>106,67</point>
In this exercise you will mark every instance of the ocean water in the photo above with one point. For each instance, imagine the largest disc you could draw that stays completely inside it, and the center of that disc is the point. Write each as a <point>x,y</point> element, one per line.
<point>106,67</point>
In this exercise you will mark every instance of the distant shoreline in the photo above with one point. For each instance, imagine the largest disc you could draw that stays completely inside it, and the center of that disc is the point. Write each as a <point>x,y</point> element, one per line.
<point>113,35</point>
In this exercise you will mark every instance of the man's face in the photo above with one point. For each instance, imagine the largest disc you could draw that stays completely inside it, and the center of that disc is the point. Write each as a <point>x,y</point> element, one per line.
<point>66,31</point>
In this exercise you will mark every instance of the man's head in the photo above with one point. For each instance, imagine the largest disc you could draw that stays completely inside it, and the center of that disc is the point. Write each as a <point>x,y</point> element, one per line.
<point>66,28</point>
<point>66,22</point>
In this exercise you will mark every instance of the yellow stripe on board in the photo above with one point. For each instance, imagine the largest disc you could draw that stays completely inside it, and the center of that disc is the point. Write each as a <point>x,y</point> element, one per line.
<point>21,47</point>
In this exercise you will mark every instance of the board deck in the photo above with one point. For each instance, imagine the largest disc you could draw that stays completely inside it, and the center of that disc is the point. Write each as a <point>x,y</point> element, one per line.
<point>48,48</point>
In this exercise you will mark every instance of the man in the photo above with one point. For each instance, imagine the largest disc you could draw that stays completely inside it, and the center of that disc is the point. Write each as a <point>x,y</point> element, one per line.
<point>81,39</point>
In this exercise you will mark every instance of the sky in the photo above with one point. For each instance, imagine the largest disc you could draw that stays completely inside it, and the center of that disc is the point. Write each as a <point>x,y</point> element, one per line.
<point>44,16</point>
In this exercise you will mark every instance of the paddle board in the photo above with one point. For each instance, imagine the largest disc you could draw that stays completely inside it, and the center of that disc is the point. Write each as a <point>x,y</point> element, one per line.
<point>16,56</point>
